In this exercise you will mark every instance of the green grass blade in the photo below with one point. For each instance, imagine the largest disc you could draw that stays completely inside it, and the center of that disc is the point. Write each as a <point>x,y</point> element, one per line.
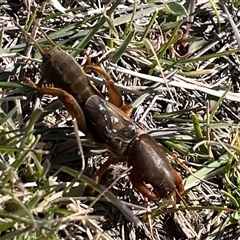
<point>122,48</point>
<point>99,25</point>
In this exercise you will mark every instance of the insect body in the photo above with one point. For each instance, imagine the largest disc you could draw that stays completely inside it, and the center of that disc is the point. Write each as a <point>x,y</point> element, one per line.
<point>153,167</point>
<point>108,125</point>
<point>62,70</point>
<point>117,129</point>
<point>142,152</point>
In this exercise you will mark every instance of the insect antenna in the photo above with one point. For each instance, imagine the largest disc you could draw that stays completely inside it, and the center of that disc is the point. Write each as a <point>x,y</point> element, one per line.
<point>30,37</point>
<point>45,35</point>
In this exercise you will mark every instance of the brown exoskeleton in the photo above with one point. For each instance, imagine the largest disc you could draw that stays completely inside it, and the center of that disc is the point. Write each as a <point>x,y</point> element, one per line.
<point>142,152</point>
<point>107,124</point>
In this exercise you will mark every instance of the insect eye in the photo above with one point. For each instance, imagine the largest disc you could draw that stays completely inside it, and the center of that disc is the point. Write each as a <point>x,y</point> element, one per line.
<point>129,132</point>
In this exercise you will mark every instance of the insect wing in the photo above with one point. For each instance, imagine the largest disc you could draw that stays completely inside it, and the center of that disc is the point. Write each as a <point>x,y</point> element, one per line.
<point>112,125</point>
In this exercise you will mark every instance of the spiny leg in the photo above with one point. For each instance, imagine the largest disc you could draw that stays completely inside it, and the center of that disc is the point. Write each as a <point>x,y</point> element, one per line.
<point>142,188</point>
<point>68,101</point>
<point>104,167</point>
<point>178,181</point>
<point>115,96</point>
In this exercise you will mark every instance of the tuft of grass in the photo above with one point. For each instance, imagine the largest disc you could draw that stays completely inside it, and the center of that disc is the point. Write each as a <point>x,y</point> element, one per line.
<point>176,69</point>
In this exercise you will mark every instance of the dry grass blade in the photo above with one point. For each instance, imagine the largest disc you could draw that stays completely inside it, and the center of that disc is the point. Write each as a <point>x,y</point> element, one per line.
<point>177,64</point>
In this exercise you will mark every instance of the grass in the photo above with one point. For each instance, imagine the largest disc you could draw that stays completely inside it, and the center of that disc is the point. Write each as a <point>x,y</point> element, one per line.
<point>177,65</point>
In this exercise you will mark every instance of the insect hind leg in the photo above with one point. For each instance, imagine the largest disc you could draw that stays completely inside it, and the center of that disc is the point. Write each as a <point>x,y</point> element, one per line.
<point>68,101</point>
